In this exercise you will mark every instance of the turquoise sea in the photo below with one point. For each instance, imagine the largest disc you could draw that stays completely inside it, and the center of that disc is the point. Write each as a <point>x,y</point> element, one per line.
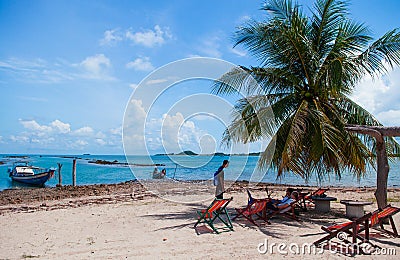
<point>178,167</point>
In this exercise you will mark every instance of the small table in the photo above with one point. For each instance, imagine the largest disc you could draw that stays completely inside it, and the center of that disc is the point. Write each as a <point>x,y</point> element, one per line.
<point>323,204</point>
<point>354,208</point>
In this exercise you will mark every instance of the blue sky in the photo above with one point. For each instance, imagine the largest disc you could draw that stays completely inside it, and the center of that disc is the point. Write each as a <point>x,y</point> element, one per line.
<point>68,68</point>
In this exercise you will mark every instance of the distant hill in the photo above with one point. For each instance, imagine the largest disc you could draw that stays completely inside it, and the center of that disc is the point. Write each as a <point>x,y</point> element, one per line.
<point>221,154</point>
<point>187,153</point>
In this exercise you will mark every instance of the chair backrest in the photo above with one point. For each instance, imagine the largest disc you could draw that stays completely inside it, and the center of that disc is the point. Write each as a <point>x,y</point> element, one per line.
<point>320,192</point>
<point>387,211</point>
<point>257,206</point>
<point>218,204</point>
<point>380,214</point>
<point>250,199</point>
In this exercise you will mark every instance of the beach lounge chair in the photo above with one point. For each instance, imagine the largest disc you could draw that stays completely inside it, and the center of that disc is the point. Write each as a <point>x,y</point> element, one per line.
<point>213,212</point>
<point>255,207</point>
<point>380,216</point>
<point>362,225</point>
<point>288,212</point>
<point>320,192</point>
<point>305,199</point>
<point>357,229</point>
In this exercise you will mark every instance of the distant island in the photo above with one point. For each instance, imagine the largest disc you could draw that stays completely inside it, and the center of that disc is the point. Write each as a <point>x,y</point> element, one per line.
<point>191,153</point>
<point>188,153</point>
<point>115,162</point>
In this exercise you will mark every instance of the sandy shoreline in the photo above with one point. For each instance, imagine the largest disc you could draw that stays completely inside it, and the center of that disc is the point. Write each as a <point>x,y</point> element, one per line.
<point>128,221</point>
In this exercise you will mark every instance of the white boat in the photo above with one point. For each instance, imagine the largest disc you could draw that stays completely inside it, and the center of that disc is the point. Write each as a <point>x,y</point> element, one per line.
<point>24,173</point>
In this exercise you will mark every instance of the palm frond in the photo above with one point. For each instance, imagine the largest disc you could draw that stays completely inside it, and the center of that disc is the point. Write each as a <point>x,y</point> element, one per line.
<point>385,50</point>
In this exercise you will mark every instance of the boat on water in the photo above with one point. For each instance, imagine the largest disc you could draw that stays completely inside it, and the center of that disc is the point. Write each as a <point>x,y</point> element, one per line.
<point>24,173</point>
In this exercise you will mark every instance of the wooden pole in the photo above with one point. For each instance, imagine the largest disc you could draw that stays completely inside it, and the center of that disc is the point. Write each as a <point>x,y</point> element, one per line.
<point>74,173</point>
<point>59,175</point>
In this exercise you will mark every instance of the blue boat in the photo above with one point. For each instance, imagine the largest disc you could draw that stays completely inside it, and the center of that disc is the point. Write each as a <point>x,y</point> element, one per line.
<point>32,175</point>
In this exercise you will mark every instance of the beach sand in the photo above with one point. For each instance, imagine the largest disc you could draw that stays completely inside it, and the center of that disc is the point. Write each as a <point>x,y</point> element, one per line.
<point>127,221</point>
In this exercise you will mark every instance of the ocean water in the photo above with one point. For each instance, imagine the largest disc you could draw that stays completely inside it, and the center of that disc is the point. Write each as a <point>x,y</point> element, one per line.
<point>178,167</point>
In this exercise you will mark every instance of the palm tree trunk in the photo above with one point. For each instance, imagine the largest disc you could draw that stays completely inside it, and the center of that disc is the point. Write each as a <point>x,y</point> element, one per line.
<point>382,161</point>
<point>382,173</point>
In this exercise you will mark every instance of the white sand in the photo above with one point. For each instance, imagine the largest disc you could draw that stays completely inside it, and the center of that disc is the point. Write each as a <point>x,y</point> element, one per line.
<point>157,229</point>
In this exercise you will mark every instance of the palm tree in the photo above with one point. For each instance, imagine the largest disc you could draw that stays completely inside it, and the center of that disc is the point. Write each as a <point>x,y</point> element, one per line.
<point>308,67</point>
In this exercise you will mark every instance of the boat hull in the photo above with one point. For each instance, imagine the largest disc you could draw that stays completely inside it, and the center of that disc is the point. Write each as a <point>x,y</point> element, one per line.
<point>37,179</point>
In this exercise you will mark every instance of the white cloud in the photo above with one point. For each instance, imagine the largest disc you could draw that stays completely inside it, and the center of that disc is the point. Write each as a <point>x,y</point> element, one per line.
<point>100,141</point>
<point>156,81</point>
<point>173,133</point>
<point>238,52</point>
<point>116,131</point>
<point>150,38</point>
<point>60,126</point>
<point>100,135</point>
<point>44,72</point>
<point>19,139</point>
<point>162,80</point>
<point>96,67</point>
<point>141,64</point>
<point>84,131</point>
<point>33,125</point>
<point>137,112</point>
<point>133,128</point>
<point>380,96</point>
<point>389,118</point>
<point>368,93</point>
<point>56,126</point>
<point>17,64</point>
<point>58,135</point>
<point>79,144</point>
<point>36,70</point>
<point>133,85</point>
<point>210,46</point>
<point>111,37</point>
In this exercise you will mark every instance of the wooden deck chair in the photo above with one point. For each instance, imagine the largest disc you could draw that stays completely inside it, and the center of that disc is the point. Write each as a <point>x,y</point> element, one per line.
<point>288,212</point>
<point>381,215</point>
<point>254,208</point>
<point>358,229</point>
<point>319,193</point>
<point>213,212</point>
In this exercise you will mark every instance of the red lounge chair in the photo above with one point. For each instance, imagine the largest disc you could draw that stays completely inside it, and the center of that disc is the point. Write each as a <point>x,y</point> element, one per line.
<point>356,227</point>
<point>307,197</point>
<point>381,215</point>
<point>319,192</point>
<point>214,211</point>
<point>288,212</point>
<point>353,228</point>
<point>254,208</point>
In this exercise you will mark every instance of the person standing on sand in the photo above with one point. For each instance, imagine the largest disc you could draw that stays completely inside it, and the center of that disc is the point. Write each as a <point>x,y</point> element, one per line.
<point>219,180</point>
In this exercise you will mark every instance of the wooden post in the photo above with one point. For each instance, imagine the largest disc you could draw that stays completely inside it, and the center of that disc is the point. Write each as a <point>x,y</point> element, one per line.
<point>74,173</point>
<point>59,175</point>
